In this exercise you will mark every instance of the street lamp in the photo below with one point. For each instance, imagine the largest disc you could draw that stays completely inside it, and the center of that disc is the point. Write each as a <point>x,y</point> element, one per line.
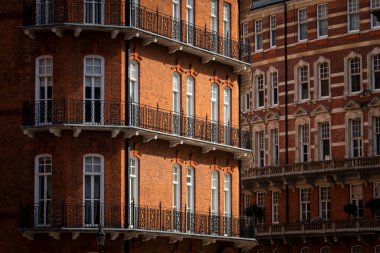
<point>100,238</point>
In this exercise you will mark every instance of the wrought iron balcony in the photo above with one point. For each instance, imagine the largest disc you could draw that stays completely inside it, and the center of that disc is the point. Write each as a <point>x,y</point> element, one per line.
<point>48,216</point>
<point>98,115</point>
<point>82,15</point>
<point>322,228</point>
<point>313,167</point>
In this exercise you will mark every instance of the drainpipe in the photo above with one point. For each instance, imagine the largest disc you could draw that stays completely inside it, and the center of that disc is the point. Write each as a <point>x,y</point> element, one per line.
<point>127,147</point>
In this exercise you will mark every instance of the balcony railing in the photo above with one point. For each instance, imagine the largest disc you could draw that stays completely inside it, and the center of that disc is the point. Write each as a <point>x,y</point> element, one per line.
<point>313,167</point>
<point>318,227</point>
<point>112,13</point>
<point>97,113</point>
<point>78,216</point>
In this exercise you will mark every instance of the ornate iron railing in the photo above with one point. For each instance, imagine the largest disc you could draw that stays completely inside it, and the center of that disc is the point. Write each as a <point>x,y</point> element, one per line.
<point>317,227</point>
<point>112,13</point>
<point>312,167</point>
<point>62,215</point>
<point>93,113</point>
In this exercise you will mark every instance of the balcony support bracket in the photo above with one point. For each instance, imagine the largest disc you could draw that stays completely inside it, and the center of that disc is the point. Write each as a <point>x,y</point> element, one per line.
<point>208,59</point>
<point>28,235</point>
<point>131,35</point>
<point>147,42</point>
<point>175,239</point>
<point>129,236</point>
<point>174,49</point>
<point>76,132</point>
<point>114,236</point>
<point>77,31</point>
<point>174,143</point>
<point>149,137</point>
<point>75,235</point>
<point>238,70</point>
<point>30,34</point>
<point>28,133</point>
<point>55,131</point>
<point>115,133</point>
<point>114,34</point>
<point>205,150</point>
<point>130,134</point>
<point>208,241</point>
<point>146,238</point>
<point>57,32</point>
<point>55,235</point>
<point>240,156</point>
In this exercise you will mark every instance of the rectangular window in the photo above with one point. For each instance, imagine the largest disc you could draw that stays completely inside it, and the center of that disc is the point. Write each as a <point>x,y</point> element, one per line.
<point>303,80</point>
<point>247,200</point>
<point>274,88</point>
<point>356,138</point>
<point>353,15</point>
<point>324,79</point>
<point>260,149</point>
<point>260,202</point>
<point>215,192</point>
<point>322,20</point>
<point>376,135</point>
<point>302,24</point>
<point>304,142</point>
<point>214,25</point>
<point>176,22</point>
<point>245,38</point>
<point>376,71</point>
<point>275,146</point>
<point>247,102</point>
<point>226,28</point>
<point>176,188</point>
<point>354,74</point>
<point>275,207</point>
<point>357,200</point>
<point>272,27</point>
<point>324,203</point>
<point>375,7</point>
<point>258,35</point>
<point>376,195</point>
<point>260,90</point>
<point>324,145</point>
<point>304,204</point>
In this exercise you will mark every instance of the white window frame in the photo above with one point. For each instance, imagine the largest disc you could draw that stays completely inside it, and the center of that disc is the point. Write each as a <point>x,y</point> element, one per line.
<point>133,172</point>
<point>305,202</point>
<point>376,135</point>
<point>375,69</point>
<point>44,78</point>
<point>323,70</point>
<point>376,195</point>
<point>301,22</point>
<point>325,249</point>
<point>92,16</point>
<point>353,8</point>
<point>356,137</point>
<point>43,210</point>
<point>176,103</point>
<point>247,200</point>
<point>134,82</point>
<point>227,106</point>
<point>246,102</point>
<point>305,250</point>
<point>190,185</point>
<point>324,132</point>
<point>272,31</point>
<point>93,100</point>
<point>357,200</point>
<point>259,86</point>
<point>275,146</point>
<point>215,192</point>
<point>260,202</point>
<point>274,94</point>
<point>303,78</point>
<point>214,103</point>
<point>227,195</point>
<point>324,203</point>
<point>190,96</point>
<point>190,21</point>
<point>357,249</point>
<point>245,38</point>
<point>275,207</point>
<point>226,19</point>
<point>322,20</point>
<point>374,6</point>
<point>260,148</point>
<point>354,69</point>
<point>304,142</point>
<point>214,16</point>
<point>176,189</point>
<point>259,40</point>
<point>92,199</point>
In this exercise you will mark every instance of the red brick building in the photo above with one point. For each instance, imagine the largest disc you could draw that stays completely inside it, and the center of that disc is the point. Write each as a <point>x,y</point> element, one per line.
<point>125,115</point>
<point>312,103</point>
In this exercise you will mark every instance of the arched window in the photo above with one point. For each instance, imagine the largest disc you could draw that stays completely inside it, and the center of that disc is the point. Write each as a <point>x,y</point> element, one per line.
<point>377,249</point>
<point>259,84</point>
<point>305,250</point>
<point>215,192</point>
<point>303,83</point>
<point>93,88</point>
<point>44,89</point>
<point>357,249</point>
<point>93,192</point>
<point>326,249</point>
<point>214,112</point>
<point>227,116</point>
<point>190,189</point>
<point>354,72</point>
<point>227,204</point>
<point>323,80</point>
<point>176,187</point>
<point>375,71</point>
<point>134,82</point>
<point>275,250</point>
<point>43,190</point>
<point>176,102</point>
<point>190,105</point>
<point>133,180</point>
